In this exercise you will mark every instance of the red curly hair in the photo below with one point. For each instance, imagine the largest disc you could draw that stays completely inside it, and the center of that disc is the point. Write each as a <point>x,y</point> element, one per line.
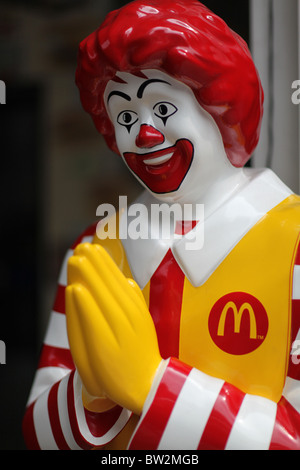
<point>186,40</point>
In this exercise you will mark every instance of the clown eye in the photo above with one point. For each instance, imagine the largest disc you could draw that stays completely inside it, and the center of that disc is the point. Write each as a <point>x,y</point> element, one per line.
<point>127,119</point>
<point>164,110</point>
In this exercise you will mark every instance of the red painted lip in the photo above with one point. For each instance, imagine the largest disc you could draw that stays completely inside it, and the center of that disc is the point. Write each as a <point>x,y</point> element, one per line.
<point>167,176</point>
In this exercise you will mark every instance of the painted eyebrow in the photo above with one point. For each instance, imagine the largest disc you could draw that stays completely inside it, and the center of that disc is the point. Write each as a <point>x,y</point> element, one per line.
<point>146,83</point>
<point>119,93</point>
<point>140,90</point>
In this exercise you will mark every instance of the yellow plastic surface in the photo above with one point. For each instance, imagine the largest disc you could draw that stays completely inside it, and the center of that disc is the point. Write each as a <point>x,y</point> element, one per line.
<point>111,333</point>
<point>260,265</point>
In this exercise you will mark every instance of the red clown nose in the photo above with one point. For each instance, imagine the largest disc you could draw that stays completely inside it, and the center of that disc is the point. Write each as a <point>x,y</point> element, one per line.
<point>149,137</point>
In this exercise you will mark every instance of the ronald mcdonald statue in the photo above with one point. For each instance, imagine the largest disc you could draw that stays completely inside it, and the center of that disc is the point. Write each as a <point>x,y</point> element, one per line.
<point>188,341</point>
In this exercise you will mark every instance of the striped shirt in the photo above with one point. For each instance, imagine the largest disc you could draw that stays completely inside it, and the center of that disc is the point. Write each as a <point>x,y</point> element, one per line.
<point>195,412</point>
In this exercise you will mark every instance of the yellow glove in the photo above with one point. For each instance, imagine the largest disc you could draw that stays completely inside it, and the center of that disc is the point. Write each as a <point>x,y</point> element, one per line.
<point>111,333</point>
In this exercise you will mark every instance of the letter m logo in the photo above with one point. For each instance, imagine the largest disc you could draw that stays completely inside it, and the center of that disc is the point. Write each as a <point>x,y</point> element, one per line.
<point>238,323</point>
<point>238,315</point>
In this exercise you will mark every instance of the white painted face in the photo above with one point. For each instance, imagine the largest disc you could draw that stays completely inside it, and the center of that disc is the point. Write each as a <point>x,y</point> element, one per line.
<point>168,141</point>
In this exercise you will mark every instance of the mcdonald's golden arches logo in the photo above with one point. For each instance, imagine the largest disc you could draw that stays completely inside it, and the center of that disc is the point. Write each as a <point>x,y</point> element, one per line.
<point>238,323</point>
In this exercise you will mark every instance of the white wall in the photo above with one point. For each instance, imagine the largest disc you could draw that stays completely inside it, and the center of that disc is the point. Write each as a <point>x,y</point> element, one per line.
<point>275,45</point>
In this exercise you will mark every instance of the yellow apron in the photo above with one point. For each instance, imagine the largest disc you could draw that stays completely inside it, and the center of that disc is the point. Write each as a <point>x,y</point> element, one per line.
<point>248,300</point>
<point>237,325</point>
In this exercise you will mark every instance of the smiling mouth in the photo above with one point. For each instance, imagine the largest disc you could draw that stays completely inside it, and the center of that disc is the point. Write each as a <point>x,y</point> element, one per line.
<point>164,170</point>
<point>154,161</point>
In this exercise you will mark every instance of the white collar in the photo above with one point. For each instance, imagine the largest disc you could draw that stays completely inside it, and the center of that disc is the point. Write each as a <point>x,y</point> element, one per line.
<point>222,230</point>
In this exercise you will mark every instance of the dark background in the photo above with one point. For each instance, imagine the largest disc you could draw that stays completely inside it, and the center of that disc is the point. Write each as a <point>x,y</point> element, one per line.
<point>55,171</point>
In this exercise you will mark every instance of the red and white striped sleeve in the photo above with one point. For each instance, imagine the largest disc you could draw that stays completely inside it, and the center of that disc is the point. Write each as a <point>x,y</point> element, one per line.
<point>189,410</point>
<point>55,417</point>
